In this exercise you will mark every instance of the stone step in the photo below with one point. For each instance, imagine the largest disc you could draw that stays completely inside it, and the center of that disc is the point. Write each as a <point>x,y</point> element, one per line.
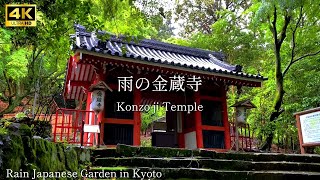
<point>196,173</point>
<point>238,165</point>
<point>105,152</point>
<point>131,151</point>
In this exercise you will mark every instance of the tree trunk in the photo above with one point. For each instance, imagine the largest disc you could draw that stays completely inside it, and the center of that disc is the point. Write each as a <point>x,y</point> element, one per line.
<point>277,99</point>
<point>13,103</point>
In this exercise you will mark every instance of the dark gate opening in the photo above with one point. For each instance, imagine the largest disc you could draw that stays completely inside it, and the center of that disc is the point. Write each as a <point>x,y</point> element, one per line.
<point>118,134</point>
<point>213,139</point>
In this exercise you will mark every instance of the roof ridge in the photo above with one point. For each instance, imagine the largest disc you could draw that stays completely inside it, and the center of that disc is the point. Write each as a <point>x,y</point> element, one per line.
<point>157,51</point>
<point>155,44</point>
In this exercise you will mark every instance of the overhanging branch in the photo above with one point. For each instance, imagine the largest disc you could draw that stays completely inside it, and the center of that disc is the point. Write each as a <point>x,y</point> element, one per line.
<point>283,32</point>
<point>293,41</point>
<point>273,26</point>
<point>299,59</point>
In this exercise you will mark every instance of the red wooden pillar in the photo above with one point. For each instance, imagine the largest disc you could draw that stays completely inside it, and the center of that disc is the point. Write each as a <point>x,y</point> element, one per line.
<point>136,118</point>
<point>91,117</point>
<point>226,125</point>
<point>198,122</point>
<point>88,117</point>
<point>101,115</point>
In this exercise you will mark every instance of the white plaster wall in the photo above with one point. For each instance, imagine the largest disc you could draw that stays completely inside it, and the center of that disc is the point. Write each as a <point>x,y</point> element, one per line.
<point>190,140</point>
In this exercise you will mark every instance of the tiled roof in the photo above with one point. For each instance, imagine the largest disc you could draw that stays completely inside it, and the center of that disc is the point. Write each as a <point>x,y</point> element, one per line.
<point>158,52</point>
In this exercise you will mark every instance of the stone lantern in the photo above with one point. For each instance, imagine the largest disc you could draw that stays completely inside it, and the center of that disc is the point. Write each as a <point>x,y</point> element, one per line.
<point>240,117</point>
<point>241,111</point>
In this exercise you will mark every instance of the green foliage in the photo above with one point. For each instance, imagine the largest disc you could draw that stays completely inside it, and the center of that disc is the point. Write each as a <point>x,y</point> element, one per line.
<point>20,115</point>
<point>121,17</point>
<point>200,15</point>
<point>32,55</point>
<point>148,117</point>
<point>146,142</point>
<point>3,131</point>
<point>244,35</point>
<point>34,59</point>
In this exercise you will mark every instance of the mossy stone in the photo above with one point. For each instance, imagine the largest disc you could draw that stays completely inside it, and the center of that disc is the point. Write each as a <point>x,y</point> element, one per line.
<point>25,130</point>
<point>130,151</point>
<point>19,151</point>
<point>126,150</point>
<point>30,167</point>
<point>13,152</point>
<point>29,149</point>
<point>84,154</point>
<point>71,159</point>
<point>61,155</point>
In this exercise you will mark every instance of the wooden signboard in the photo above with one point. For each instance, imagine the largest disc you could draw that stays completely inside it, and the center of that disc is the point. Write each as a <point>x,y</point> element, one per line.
<point>308,124</point>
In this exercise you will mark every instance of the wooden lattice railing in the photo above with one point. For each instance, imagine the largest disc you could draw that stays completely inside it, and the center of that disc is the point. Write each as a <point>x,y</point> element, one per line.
<point>68,126</point>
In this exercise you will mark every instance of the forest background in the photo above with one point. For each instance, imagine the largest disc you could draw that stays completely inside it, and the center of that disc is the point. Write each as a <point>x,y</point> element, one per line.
<point>279,39</point>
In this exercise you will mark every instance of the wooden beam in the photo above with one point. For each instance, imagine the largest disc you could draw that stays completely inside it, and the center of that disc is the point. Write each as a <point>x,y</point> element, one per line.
<point>117,121</point>
<point>227,140</point>
<point>213,128</point>
<point>136,118</point>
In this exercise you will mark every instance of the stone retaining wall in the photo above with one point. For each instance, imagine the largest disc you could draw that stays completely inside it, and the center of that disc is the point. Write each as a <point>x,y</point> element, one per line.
<point>22,152</point>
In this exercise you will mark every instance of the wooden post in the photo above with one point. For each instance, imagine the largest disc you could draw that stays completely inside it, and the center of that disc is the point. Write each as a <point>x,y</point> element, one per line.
<point>62,127</point>
<point>237,135</point>
<point>198,121</point>
<point>88,116</point>
<point>300,135</point>
<point>55,126</point>
<point>101,124</point>
<point>136,118</point>
<point>98,145</point>
<point>250,136</point>
<point>82,133</point>
<point>227,140</point>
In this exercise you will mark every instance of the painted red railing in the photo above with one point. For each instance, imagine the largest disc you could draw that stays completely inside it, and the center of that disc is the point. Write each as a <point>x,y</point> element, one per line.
<point>68,126</point>
<point>245,138</point>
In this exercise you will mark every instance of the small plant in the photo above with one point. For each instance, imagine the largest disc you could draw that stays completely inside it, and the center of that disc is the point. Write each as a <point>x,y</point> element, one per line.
<point>6,124</point>
<point>146,142</point>
<point>20,115</point>
<point>3,131</point>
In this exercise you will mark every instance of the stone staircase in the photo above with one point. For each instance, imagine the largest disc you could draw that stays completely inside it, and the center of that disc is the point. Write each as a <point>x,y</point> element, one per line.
<point>128,162</point>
